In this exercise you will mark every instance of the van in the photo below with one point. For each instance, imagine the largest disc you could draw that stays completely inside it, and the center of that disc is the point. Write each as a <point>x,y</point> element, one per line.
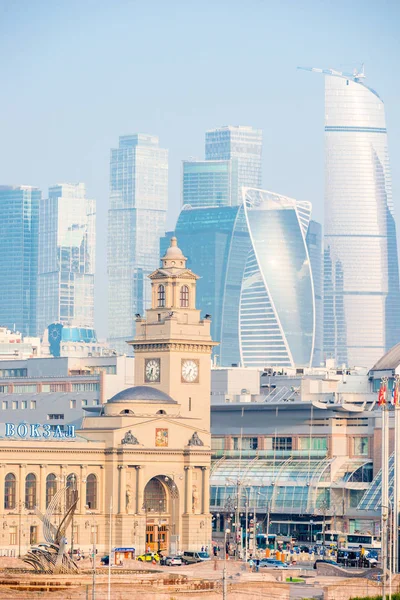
<point>189,558</point>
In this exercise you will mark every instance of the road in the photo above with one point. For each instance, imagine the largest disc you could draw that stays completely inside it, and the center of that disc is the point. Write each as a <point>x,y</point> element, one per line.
<point>298,592</point>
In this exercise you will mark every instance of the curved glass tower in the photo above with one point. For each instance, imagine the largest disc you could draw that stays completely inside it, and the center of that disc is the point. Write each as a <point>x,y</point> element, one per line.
<point>361,276</point>
<point>277,311</point>
<point>256,279</point>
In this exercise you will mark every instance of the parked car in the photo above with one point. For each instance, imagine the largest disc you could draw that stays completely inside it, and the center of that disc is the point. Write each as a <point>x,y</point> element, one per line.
<point>148,557</point>
<point>105,560</point>
<point>271,563</point>
<point>194,557</point>
<point>173,561</point>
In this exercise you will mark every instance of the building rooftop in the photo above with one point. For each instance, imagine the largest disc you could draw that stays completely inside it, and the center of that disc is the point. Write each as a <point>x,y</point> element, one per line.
<point>142,393</point>
<point>390,360</point>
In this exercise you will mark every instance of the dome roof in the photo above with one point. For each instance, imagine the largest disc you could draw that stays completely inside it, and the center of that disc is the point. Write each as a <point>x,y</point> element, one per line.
<point>142,393</point>
<point>174,252</point>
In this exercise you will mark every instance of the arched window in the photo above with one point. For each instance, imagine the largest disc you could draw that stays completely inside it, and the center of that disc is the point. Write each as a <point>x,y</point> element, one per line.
<point>51,487</point>
<point>126,411</point>
<point>161,412</point>
<point>30,491</point>
<point>161,296</point>
<point>91,491</point>
<point>71,490</point>
<point>10,488</point>
<point>184,296</point>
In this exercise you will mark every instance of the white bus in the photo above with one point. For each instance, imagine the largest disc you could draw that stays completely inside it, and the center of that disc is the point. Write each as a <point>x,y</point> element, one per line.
<point>347,540</point>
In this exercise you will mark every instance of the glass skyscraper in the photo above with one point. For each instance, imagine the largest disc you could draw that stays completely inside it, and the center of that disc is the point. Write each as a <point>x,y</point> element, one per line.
<point>232,161</point>
<point>67,241</point>
<point>19,227</point>
<point>256,278</point>
<point>136,222</point>
<point>361,276</point>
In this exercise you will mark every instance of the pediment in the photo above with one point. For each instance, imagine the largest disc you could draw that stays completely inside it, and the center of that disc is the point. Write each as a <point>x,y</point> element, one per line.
<point>178,274</point>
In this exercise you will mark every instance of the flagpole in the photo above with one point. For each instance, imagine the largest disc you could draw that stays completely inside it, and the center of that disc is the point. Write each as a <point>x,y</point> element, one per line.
<point>385,483</point>
<point>396,482</point>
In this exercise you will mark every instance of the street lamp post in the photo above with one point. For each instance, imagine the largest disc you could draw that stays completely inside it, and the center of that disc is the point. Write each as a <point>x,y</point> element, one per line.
<point>224,586</point>
<point>93,529</point>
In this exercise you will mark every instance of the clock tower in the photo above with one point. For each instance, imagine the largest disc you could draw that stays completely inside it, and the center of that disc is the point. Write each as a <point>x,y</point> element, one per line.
<point>173,344</point>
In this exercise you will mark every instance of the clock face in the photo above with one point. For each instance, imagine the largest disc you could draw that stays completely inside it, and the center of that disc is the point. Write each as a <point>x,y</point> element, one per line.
<point>190,370</point>
<point>152,370</point>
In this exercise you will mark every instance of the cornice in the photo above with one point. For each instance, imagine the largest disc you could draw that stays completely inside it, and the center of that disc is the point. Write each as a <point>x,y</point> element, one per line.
<point>203,347</point>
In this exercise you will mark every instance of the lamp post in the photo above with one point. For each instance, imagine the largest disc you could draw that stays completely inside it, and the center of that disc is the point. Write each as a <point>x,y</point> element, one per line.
<point>224,586</point>
<point>21,506</point>
<point>93,529</point>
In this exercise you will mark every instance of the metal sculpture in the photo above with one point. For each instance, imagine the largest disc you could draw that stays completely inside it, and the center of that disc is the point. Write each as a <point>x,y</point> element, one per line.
<point>50,557</point>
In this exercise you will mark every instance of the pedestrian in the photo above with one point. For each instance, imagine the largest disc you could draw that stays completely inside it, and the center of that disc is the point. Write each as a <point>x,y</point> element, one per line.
<point>202,549</point>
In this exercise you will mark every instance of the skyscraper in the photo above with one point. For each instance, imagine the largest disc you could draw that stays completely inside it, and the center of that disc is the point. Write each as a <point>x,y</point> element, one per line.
<point>256,278</point>
<point>19,222</point>
<point>361,275</point>
<point>314,246</point>
<point>67,240</point>
<point>136,221</point>
<point>233,161</point>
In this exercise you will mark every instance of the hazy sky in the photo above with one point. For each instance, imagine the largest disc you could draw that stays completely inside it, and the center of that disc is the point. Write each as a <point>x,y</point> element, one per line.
<point>76,74</point>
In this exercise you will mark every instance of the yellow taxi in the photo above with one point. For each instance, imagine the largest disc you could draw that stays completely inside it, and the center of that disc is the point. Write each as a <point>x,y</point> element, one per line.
<point>149,557</point>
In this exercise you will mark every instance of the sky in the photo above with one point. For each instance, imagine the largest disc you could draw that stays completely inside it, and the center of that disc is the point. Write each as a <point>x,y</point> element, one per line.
<point>77,74</point>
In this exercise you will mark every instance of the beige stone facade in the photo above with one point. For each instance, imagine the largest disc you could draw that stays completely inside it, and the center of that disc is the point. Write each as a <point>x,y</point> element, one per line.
<point>143,456</point>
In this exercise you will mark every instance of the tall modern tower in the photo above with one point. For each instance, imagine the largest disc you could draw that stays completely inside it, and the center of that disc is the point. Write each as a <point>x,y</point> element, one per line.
<point>255,266</point>
<point>233,161</point>
<point>361,275</point>
<point>67,242</point>
<point>136,221</point>
<point>19,223</point>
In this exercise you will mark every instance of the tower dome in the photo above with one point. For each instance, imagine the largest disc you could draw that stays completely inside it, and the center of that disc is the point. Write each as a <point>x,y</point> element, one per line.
<point>174,256</point>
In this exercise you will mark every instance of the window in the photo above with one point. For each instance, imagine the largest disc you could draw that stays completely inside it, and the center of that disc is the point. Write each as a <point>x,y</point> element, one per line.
<point>30,491</point>
<point>355,497</point>
<point>45,387</point>
<point>13,535</point>
<point>72,403</point>
<point>51,488</point>
<point>33,404</point>
<point>184,296</point>
<point>360,446</point>
<point>75,534</point>
<point>96,402</point>
<point>24,404</point>
<point>3,389</point>
<point>25,389</point>
<point>282,443</point>
<point>161,412</point>
<point>161,296</point>
<point>33,534</point>
<point>4,405</point>
<point>217,443</point>
<point>71,490</point>
<point>85,387</point>
<point>317,443</point>
<point>55,417</point>
<point>10,487</point>
<point>58,387</point>
<point>91,491</point>
<point>245,443</point>
<point>14,405</point>
<point>13,372</point>
<point>84,402</point>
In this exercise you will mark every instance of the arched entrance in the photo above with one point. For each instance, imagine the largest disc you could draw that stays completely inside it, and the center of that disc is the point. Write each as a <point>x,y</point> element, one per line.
<point>161,507</point>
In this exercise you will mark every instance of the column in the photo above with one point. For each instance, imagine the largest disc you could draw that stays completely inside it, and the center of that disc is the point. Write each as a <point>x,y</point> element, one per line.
<point>21,484</point>
<point>122,489</point>
<point>139,489</point>
<point>82,490</point>
<point>205,491</point>
<point>42,488</point>
<point>189,491</point>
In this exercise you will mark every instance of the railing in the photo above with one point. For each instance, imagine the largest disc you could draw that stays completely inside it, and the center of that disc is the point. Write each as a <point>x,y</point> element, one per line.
<point>269,453</point>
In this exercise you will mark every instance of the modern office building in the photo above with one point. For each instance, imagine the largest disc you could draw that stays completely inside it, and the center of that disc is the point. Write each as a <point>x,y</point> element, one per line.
<point>260,319</point>
<point>136,221</point>
<point>207,182</point>
<point>67,241</point>
<point>57,390</point>
<point>243,147</point>
<point>361,277</point>
<point>19,228</point>
<point>314,246</point>
<point>232,161</point>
